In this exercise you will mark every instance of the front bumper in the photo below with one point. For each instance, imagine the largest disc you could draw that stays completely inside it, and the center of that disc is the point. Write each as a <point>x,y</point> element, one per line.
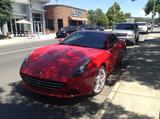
<point>77,86</point>
<point>127,39</point>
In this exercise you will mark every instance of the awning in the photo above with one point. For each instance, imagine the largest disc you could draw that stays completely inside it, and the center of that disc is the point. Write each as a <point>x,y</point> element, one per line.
<point>78,19</point>
<point>23,22</point>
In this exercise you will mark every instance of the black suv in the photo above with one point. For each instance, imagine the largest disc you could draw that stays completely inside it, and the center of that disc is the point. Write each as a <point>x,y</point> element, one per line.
<point>65,31</point>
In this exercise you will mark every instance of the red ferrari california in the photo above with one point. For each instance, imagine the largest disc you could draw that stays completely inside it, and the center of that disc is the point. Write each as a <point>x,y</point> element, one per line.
<point>79,65</point>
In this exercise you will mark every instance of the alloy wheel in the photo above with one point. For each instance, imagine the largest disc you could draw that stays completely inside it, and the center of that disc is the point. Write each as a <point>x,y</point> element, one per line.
<point>99,81</point>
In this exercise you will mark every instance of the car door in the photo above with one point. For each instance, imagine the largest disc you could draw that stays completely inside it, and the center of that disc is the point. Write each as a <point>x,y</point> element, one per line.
<point>113,42</point>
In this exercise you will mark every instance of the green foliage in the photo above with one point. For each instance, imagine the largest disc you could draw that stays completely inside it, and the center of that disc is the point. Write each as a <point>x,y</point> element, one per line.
<point>5,11</point>
<point>141,19</point>
<point>115,14</point>
<point>97,17</point>
<point>91,17</point>
<point>149,7</point>
<point>127,15</point>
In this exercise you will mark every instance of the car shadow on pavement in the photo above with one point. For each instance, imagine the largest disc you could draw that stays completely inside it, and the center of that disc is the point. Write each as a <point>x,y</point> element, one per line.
<point>22,104</point>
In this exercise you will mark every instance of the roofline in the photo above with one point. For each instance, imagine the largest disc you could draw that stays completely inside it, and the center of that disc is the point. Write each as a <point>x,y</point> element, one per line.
<point>64,6</point>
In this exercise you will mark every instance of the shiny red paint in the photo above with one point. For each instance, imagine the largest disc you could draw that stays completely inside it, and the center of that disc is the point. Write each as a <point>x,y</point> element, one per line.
<point>58,63</point>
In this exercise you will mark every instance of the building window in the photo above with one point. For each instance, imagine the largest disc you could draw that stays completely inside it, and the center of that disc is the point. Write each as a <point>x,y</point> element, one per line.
<point>50,24</point>
<point>37,16</point>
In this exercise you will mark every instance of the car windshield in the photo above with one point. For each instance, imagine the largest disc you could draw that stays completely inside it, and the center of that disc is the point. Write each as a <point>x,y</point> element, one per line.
<point>142,24</point>
<point>124,27</point>
<point>87,39</point>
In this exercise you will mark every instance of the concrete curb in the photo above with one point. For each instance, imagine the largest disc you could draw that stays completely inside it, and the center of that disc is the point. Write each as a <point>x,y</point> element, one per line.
<point>108,100</point>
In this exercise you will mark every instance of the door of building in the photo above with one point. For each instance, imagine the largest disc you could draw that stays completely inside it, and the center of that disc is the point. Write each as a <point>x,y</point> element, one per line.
<point>37,27</point>
<point>60,24</point>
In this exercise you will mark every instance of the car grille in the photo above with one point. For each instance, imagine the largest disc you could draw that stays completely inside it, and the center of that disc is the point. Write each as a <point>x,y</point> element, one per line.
<point>45,84</point>
<point>121,34</point>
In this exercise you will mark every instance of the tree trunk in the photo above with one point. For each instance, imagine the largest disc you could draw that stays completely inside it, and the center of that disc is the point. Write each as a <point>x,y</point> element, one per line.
<point>1,27</point>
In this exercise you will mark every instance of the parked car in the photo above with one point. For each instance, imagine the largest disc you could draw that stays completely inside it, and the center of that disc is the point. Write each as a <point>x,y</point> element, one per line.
<point>77,66</point>
<point>86,27</point>
<point>65,31</point>
<point>91,27</point>
<point>143,27</point>
<point>149,26</point>
<point>99,28</point>
<point>156,25</point>
<point>128,32</point>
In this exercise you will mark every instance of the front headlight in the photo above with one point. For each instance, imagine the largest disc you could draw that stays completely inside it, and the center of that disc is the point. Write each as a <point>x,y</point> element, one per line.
<point>81,69</point>
<point>26,58</point>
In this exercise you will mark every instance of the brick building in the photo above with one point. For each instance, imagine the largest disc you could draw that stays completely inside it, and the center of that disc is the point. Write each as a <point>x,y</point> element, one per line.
<point>58,16</point>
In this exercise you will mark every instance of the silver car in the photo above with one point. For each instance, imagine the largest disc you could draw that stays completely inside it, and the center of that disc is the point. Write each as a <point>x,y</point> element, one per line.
<point>128,32</point>
<point>143,27</point>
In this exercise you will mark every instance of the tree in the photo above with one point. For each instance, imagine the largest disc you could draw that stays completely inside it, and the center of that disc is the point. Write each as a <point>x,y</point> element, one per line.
<point>149,6</point>
<point>5,12</point>
<point>127,15</point>
<point>97,17</point>
<point>101,18</point>
<point>91,17</point>
<point>115,14</point>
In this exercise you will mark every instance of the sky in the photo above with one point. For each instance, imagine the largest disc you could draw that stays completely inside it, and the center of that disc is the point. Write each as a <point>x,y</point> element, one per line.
<point>135,8</point>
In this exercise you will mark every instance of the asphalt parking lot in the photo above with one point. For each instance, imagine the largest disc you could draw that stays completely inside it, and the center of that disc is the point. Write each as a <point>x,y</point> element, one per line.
<point>18,103</point>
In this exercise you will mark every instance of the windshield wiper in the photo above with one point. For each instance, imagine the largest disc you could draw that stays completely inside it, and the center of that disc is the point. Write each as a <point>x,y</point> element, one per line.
<point>77,45</point>
<point>72,44</point>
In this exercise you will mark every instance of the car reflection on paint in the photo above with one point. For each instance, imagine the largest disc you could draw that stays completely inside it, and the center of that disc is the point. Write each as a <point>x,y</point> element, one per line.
<point>79,65</point>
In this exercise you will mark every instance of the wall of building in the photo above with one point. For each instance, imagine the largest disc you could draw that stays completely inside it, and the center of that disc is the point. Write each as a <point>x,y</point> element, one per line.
<point>20,9</point>
<point>56,12</point>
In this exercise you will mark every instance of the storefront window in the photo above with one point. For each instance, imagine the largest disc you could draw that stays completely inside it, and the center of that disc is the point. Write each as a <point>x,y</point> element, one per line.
<point>50,24</point>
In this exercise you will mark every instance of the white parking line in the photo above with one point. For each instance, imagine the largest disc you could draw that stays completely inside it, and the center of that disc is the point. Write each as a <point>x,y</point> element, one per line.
<point>21,50</point>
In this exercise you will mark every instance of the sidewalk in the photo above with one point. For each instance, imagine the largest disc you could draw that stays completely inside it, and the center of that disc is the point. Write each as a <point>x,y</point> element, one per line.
<point>20,40</point>
<point>137,94</point>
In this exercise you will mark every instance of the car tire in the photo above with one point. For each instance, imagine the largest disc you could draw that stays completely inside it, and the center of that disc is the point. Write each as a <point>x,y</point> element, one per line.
<point>133,43</point>
<point>100,81</point>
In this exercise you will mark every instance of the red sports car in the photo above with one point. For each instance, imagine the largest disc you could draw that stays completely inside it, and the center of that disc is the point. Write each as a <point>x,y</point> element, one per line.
<point>79,65</point>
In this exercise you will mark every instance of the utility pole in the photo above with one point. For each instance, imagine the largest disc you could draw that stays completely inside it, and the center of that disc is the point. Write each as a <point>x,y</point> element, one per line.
<point>153,14</point>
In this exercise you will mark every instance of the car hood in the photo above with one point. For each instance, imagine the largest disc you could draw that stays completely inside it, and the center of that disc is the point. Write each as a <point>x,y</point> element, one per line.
<point>142,26</point>
<point>57,61</point>
<point>123,31</point>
